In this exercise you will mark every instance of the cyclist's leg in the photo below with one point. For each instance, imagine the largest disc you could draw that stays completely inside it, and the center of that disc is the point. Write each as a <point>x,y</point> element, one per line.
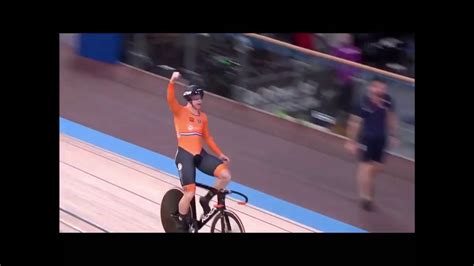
<point>187,175</point>
<point>213,166</point>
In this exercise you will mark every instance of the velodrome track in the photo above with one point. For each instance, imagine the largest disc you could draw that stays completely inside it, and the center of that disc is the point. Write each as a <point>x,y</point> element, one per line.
<point>104,192</point>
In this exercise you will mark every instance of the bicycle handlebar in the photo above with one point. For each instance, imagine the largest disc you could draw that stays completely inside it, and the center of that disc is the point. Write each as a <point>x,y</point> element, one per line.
<point>240,194</point>
<point>226,192</point>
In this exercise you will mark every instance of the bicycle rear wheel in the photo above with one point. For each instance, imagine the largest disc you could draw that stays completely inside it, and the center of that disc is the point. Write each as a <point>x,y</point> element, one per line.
<point>227,222</point>
<point>169,206</point>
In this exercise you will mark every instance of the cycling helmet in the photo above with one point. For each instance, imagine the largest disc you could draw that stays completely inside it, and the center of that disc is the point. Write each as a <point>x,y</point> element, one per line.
<point>193,90</point>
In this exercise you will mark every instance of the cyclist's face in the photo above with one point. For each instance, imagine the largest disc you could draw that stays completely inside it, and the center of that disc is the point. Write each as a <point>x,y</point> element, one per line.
<point>196,101</point>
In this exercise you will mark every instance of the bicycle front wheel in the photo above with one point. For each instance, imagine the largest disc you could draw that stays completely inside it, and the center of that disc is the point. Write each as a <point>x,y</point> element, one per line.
<point>227,222</point>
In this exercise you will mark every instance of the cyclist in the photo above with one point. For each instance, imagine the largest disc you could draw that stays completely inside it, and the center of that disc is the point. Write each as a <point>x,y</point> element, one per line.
<point>191,126</point>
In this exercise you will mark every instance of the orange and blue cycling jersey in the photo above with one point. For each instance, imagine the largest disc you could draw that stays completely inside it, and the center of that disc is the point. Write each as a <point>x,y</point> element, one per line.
<point>190,128</point>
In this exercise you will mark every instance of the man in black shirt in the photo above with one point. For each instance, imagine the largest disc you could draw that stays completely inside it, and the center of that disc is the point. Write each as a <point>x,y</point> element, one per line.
<point>372,123</point>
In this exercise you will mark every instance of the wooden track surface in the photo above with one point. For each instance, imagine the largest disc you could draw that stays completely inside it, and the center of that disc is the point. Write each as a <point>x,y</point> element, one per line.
<point>104,192</point>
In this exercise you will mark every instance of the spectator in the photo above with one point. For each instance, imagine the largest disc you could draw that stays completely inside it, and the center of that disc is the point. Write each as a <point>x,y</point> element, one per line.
<point>344,74</point>
<point>304,40</point>
<point>370,128</point>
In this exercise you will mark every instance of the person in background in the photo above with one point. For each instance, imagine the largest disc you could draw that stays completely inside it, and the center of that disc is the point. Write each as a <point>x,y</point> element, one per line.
<point>305,40</point>
<point>369,128</point>
<point>344,76</point>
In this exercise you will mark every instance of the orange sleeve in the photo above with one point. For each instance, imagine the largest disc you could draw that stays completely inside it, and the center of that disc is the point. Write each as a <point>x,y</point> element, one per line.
<point>210,140</point>
<point>172,102</point>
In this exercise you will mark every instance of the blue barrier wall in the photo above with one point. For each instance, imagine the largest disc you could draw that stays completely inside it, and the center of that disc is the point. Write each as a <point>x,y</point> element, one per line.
<point>101,46</point>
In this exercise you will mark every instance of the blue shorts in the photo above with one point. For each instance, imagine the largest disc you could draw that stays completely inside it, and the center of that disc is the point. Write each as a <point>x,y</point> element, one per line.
<point>373,150</point>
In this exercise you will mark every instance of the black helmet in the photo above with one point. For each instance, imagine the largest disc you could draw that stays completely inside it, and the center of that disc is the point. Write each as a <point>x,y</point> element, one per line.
<point>193,90</point>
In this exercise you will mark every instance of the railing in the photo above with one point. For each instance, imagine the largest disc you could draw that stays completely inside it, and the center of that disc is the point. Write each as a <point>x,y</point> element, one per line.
<point>330,57</point>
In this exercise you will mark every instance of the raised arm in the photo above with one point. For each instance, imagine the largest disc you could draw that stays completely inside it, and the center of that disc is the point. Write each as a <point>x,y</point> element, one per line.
<point>174,105</point>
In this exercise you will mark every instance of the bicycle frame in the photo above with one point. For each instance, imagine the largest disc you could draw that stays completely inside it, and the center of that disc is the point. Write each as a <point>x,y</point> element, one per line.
<point>219,207</point>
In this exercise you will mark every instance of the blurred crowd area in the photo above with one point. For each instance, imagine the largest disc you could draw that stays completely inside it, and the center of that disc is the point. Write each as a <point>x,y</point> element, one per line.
<point>394,52</point>
<point>285,81</point>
